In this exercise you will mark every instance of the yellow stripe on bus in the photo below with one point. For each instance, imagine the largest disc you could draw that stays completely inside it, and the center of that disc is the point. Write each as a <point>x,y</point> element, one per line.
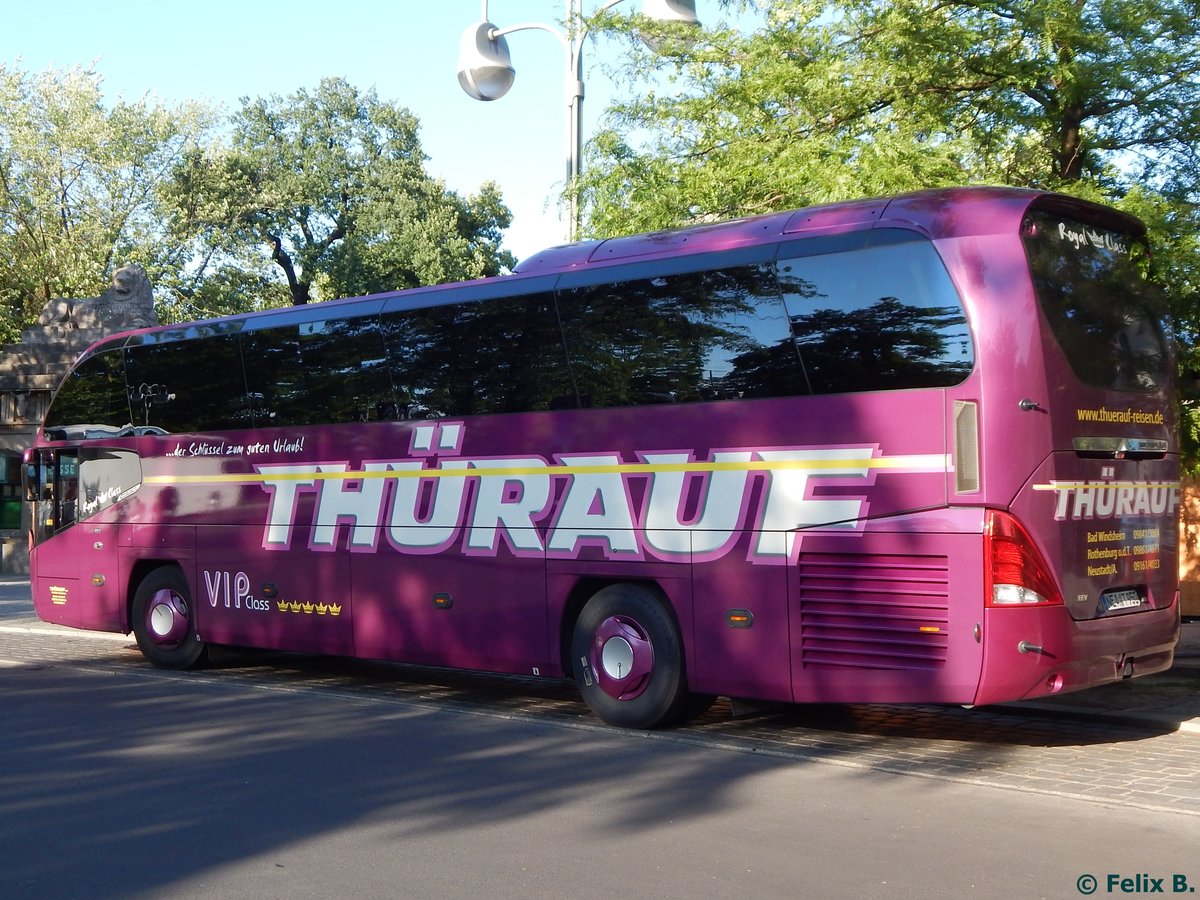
<point>926,463</point>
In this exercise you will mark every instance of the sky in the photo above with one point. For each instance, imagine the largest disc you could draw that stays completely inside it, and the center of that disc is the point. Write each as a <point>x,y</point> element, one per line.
<point>220,51</point>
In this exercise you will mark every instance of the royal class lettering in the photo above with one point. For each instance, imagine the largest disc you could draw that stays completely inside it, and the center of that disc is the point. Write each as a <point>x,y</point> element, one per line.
<point>669,505</point>
<point>1113,500</point>
<point>1081,236</point>
<point>102,499</point>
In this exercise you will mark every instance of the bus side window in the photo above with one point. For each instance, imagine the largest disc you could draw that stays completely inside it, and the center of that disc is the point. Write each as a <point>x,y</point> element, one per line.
<point>64,501</point>
<point>274,378</point>
<point>504,355</point>
<point>876,318</point>
<point>719,334</point>
<point>190,385</point>
<point>346,375</point>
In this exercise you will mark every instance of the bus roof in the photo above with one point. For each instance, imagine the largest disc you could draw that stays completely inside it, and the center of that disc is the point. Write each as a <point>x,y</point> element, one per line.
<point>937,213</point>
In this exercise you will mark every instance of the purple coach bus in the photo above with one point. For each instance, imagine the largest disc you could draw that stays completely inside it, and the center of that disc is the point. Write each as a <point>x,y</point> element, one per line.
<point>916,449</point>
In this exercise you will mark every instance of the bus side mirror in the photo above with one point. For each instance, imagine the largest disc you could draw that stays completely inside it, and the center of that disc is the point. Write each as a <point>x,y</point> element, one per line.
<point>31,481</point>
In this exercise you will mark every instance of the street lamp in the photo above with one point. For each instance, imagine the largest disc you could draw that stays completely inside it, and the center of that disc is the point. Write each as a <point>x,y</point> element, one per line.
<point>486,72</point>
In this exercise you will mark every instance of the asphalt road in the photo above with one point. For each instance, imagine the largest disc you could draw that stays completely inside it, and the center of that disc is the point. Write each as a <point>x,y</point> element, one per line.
<point>299,777</point>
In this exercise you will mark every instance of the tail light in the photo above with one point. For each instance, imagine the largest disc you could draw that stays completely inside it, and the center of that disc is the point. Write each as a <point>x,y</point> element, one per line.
<point>1017,574</point>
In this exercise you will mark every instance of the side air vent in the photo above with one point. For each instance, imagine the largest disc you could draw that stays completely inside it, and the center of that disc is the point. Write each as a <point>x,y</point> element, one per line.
<point>966,446</point>
<point>874,611</point>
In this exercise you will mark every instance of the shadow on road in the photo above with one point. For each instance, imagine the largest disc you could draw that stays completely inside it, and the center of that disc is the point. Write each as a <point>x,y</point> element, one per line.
<point>117,779</point>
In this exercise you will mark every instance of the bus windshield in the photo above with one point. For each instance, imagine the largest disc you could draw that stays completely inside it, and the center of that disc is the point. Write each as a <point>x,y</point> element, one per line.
<point>1108,320</point>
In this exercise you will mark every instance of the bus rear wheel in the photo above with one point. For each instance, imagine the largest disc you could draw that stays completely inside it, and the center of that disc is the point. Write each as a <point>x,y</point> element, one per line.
<point>627,658</point>
<point>164,621</point>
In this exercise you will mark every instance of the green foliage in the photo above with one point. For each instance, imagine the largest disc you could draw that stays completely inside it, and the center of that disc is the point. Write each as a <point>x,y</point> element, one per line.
<point>317,195</point>
<point>78,187</point>
<point>831,100</point>
<point>1175,236</point>
<point>325,193</point>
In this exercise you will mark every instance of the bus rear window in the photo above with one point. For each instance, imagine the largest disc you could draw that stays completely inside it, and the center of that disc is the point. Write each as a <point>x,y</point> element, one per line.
<point>1108,320</point>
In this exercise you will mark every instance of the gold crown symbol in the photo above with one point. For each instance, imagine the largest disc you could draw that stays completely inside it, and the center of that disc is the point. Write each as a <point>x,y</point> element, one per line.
<point>322,609</point>
<point>334,609</point>
<point>283,605</point>
<point>308,608</point>
<point>294,606</point>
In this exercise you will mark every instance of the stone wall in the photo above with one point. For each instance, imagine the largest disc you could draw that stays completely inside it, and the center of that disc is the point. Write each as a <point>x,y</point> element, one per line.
<point>32,369</point>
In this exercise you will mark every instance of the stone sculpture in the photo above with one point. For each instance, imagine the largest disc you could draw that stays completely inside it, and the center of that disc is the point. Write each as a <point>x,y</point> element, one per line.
<point>127,304</point>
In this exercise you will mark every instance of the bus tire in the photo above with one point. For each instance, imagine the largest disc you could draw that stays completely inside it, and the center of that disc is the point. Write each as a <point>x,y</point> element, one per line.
<point>627,658</point>
<point>164,622</point>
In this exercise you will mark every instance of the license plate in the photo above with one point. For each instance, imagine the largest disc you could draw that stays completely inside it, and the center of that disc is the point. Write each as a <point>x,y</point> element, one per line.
<point>1126,599</point>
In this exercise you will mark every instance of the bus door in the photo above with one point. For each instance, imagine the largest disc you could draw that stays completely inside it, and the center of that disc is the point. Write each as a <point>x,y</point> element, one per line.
<point>74,546</point>
<point>51,476</point>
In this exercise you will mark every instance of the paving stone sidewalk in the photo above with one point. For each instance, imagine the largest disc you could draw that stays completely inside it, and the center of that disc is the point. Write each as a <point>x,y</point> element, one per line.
<point>1170,698</point>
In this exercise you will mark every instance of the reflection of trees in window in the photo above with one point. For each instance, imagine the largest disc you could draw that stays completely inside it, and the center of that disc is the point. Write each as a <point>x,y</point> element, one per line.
<point>876,318</point>
<point>318,372</point>
<point>93,394</point>
<point>191,385</point>
<point>273,376</point>
<point>1106,318</point>
<point>493,356</point>
<point>776,369</point>
<point>885,346</point>
<point>667,339</point>
<point>346,371</point>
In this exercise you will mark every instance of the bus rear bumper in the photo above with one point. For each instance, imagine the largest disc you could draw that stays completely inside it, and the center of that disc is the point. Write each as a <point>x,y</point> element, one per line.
<point>1039,652</point>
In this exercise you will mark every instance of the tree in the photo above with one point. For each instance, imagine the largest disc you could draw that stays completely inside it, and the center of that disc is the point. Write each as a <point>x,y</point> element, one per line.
<point>78,187</point>
<point>324,194</point>
<point>838,99</point>
<point>832,100</point>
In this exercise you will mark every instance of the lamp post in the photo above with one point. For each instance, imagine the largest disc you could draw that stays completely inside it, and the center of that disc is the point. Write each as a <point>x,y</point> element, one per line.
<point>485,69</point>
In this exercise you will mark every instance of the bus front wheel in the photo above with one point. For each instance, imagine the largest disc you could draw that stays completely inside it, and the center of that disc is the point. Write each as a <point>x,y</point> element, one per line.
<point>164,621</point>
<point>627,658</point>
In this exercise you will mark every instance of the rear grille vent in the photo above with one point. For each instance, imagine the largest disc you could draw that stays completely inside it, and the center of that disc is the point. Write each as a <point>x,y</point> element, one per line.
<point>872,611</point>
<point>966,447</point>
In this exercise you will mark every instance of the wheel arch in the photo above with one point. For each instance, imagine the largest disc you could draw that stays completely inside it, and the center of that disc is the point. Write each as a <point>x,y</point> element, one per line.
<point>139,572</point>
<point>586,588</point>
